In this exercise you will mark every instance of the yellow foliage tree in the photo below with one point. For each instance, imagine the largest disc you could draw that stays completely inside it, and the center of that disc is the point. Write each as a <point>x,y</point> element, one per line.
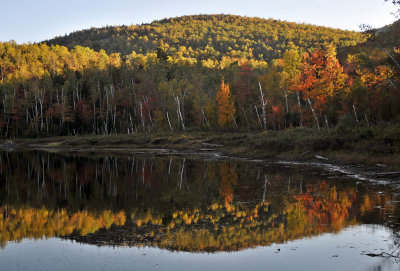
<point>226,107</point>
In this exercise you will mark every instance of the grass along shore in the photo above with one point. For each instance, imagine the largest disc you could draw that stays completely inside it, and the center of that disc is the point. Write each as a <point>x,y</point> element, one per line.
<point>366,145</point>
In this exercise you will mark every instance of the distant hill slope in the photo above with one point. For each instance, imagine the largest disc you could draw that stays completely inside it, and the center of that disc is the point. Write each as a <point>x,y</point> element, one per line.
<point>210,37</point>
<point>387,36</point>
<point>379,40</point>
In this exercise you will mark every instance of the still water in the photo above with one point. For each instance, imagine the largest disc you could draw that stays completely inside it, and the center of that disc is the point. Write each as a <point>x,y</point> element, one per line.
<point>149,212</point>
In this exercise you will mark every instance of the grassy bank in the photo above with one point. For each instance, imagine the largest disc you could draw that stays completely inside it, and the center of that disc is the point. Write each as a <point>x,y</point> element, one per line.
<point>367,145</point>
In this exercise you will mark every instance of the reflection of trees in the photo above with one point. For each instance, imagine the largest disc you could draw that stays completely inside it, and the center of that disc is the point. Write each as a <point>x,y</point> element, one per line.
<point>332,207</point>
<point>25,222</point>
<point>228,180</point>
<point>227,227</point>
<point>219,226</point>
<point>174,203</point>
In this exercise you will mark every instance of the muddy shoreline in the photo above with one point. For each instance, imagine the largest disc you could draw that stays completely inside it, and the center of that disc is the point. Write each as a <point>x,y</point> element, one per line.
<point>376,173</point>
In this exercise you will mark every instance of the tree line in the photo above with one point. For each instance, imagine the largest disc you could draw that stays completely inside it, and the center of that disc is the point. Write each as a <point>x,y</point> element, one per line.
<point>52,90</point>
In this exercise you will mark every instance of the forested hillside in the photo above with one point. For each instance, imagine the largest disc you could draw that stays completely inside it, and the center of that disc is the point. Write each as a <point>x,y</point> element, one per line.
<point>208,72</point>
<point>210,37</point>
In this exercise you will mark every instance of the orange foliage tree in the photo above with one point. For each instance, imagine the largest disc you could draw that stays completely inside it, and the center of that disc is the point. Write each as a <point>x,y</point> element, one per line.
<point>226,107</point>
<point>321,78</point>
<point>228,181</point>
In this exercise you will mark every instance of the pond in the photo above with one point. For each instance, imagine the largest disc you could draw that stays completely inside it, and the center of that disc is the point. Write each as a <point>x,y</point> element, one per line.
<point>88,211</point>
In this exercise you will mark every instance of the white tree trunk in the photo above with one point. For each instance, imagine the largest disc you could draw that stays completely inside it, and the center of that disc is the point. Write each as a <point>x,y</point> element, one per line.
<point>286,100</point>
<point>247,121</point>
<point>141,114</point>
<point>204,116</point>
<point>169,122</point>
<point>263,102</point>
<point>299,103</point>
<point>366,119</point>
<point>179,112</point>
<point>234,121</point>
<point>315,116</point>
<point>355,113</point>
<point>258,116</point>
<point>327,124</point>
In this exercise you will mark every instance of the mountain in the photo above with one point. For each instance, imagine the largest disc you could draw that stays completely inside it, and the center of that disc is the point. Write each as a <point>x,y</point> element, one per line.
<point>210,37</point>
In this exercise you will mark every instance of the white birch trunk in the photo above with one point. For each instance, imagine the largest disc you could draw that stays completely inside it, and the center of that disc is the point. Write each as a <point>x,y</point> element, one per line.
<point>299,103</point>
<point>263,102</point>
<point>179,112</point>
<point>355,113</point>
<point>313,111</point>
<point>366,119</point>
<point>327,124</point>
<point>204,116</point>
<point>258,116</point>
<point>141,114</point>
<point>169,122</point>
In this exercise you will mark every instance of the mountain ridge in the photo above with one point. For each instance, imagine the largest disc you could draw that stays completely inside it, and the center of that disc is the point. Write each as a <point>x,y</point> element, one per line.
<point>211,37</point>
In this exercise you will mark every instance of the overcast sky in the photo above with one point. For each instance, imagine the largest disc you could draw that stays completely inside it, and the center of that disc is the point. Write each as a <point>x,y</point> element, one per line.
<point>37,20</point>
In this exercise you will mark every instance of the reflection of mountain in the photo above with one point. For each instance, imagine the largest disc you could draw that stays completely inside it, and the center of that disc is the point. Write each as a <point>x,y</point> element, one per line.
<point>176,204</point>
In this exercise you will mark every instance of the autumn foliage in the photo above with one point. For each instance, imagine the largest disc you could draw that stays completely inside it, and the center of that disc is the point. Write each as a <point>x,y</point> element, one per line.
<point>168,83</point>
<point>226,106</point>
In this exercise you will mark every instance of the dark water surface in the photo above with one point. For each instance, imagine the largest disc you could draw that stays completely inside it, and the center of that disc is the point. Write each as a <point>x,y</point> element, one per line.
<point>97,212</point>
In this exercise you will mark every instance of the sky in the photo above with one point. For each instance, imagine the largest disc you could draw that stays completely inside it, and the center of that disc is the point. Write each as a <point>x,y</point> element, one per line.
<point>38,20</point>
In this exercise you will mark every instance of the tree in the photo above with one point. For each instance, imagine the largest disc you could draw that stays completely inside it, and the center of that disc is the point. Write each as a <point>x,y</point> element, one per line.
<point>320,79</point>
<point>290,73</point>
<point>226,107</point>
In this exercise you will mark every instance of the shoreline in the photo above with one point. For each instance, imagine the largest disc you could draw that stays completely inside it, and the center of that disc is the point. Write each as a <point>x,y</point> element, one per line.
<point>260,147</point>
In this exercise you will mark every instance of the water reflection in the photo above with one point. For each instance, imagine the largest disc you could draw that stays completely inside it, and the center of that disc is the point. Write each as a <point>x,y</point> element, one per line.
<point>179,204</point>
<point>328,252</point>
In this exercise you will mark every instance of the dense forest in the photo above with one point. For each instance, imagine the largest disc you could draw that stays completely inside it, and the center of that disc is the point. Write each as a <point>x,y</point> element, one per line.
<point>212,37</point>
<point>218,72</point>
